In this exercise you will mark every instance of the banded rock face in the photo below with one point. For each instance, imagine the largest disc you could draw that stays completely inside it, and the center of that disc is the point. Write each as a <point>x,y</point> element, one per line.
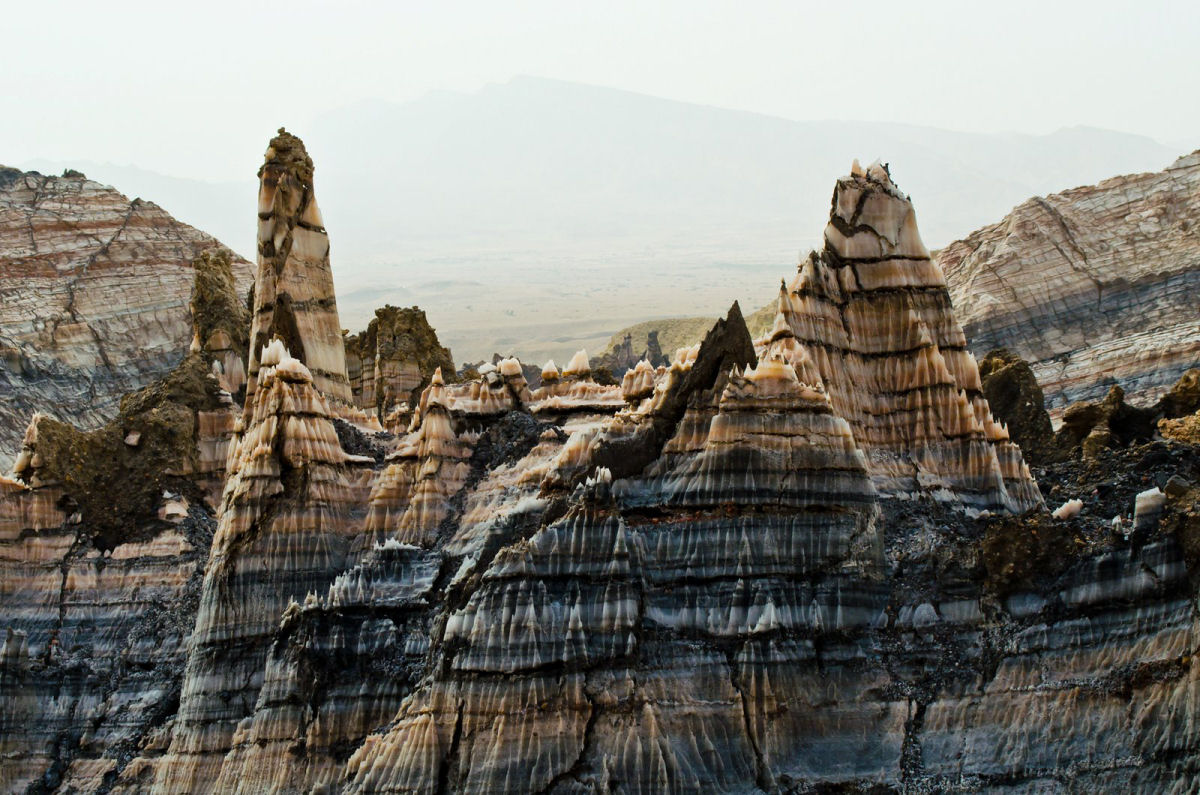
<point>103,539</point>
<point>762,568</point>
<point>873,315</point>
<point>94,292</point>
<point>285,528</point>
<point>95,638</point>
<point>293,292</point>
<point>1093,286</point>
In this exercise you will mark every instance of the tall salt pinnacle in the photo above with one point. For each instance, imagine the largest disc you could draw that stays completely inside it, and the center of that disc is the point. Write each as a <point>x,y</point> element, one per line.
<point>873,313</point>
<point>293,293</point>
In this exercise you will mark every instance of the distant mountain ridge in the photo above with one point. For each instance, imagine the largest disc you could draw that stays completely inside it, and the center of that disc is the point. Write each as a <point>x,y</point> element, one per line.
<point>568,205</point>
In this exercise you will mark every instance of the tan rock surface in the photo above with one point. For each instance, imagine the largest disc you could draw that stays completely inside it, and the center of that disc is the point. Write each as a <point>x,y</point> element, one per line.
<point>1093,286</point>
<point>94,292</point>
<point>293,290</point>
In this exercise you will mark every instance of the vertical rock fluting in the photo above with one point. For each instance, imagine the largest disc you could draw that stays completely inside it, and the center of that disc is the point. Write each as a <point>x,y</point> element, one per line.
<point>293,291</point>
<point>285,530</point>
<point>873,311</point>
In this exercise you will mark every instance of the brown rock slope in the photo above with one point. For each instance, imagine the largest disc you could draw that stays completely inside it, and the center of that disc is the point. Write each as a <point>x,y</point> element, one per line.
<point>94,292</point>
<point>1093,286</point>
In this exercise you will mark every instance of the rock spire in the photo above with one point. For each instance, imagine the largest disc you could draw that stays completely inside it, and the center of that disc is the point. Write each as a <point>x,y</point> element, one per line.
<point>293,292</point>
<point>873,314</point>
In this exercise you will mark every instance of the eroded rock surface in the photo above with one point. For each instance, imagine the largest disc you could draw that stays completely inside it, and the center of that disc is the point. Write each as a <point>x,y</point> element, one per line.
<point>394,359</point>
<point>104,536</point>
<point>294,299</point>
<point>808,562</point>
<point>94,292</point>
<point>1094,286</point>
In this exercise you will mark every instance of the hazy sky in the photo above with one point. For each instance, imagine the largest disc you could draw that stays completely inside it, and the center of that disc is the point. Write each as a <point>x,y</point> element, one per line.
<point>195,90</point>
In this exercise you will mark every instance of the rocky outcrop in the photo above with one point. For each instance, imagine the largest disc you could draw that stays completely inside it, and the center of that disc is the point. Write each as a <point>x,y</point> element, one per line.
<point>394,359</point>
<point>811,561</point>
<point>620,358</point>
<point>1016,400</point>
<point>94,292</point>
<point>1095,286</point>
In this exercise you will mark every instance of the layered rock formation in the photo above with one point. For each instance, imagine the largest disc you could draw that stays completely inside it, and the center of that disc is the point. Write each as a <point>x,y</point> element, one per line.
<point>394,359</point>
<point>872,313</point>
<point>103,539</point>
<point>294,299</point>
<point>811,561</point>
<point>94,292</point>
<point>1094,286</point>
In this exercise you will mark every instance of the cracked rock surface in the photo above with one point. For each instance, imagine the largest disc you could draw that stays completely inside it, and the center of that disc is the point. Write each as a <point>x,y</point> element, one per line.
<point>1094,287</point>
<point>94,292</point>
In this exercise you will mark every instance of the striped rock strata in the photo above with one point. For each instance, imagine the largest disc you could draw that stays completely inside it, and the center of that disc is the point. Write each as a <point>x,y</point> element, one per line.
<point>293,291</point>
<point>777,565</point>
<point>94,293</point>
<point>1093,286</point>
<point>103,539</point>
<point>870,317</point>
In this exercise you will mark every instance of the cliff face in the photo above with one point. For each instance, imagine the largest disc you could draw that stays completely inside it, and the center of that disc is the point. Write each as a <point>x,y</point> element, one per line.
<point>94,292</point>
<point>806,561</point>
<point>104,536</point>
<point>1094,286</point>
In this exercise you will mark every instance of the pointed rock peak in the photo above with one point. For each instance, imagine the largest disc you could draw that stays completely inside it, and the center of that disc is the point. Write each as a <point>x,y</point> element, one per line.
<point>436,379</point>
<point>783,326</point>
<point>727,345</point>
<point>579,365</point>
<point>294,296</point>
<point>924,338</point>
<point>286,152</point>
<point>880,173</point>
<point>870,218</point>
<point>509,368</point>
<point>550,371</point>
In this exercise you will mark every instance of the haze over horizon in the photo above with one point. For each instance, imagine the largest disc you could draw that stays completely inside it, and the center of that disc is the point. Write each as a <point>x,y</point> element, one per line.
<point>191,95</point>
<point>556,165</point>
<point>539,216</point>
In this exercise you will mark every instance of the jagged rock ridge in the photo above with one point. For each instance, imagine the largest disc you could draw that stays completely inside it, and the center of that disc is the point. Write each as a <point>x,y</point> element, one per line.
<point>775,565</point>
